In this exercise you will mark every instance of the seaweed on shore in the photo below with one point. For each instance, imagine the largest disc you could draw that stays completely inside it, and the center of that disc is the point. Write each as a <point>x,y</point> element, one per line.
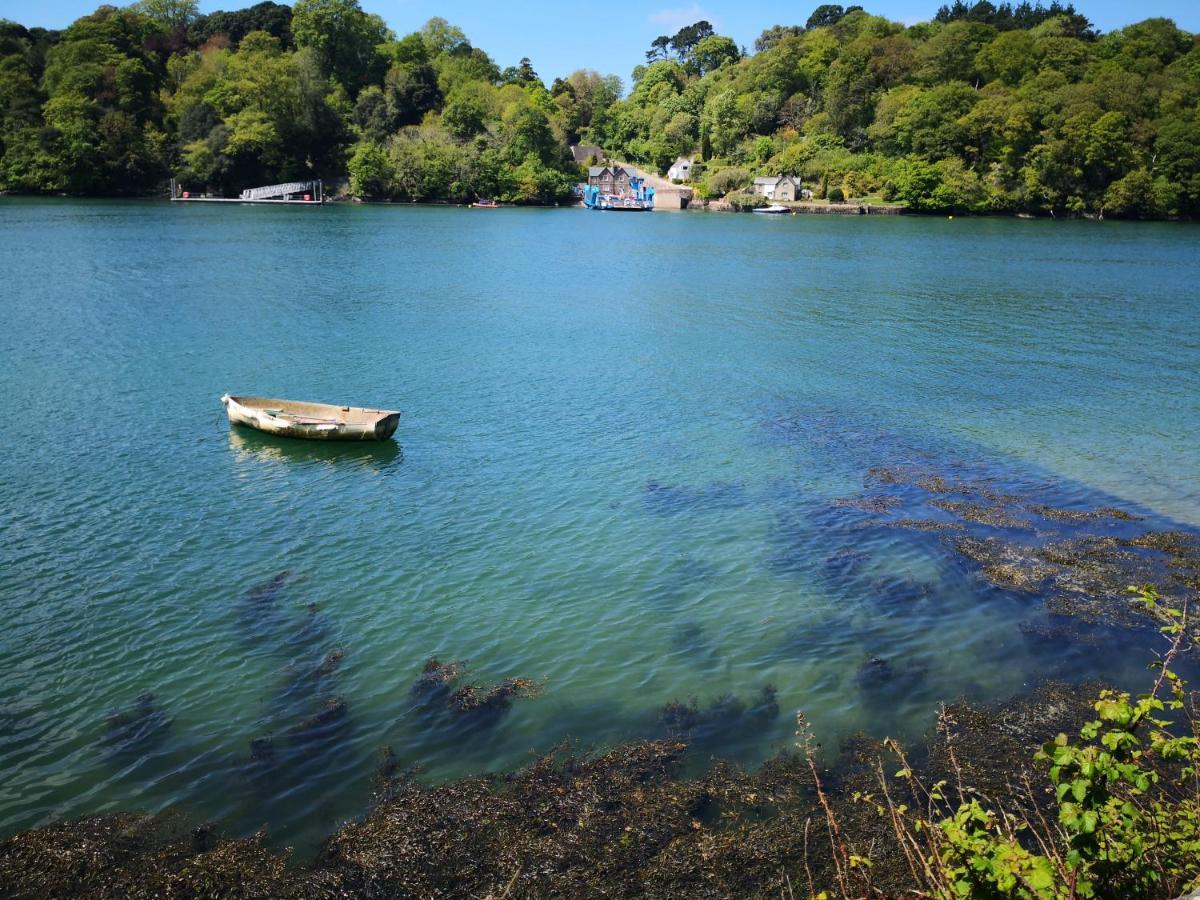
<point>628,822</point>
<point>124,855</point>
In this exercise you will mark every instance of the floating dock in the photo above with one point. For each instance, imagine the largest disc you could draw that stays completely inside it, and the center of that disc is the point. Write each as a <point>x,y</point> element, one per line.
<point>297,193</point>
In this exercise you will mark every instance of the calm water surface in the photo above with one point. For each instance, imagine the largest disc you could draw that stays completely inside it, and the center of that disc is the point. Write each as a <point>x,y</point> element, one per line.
<point>619,435</point>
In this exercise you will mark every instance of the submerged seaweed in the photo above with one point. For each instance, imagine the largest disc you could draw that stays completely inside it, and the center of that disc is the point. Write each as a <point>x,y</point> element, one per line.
<point>137,729</point>
<point>721,718</point>
<point>878,676</point>
<point>719,495</point>
<point>438,691</point>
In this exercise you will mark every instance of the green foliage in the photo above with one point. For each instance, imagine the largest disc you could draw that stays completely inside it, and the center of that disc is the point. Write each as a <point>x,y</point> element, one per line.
<point>742,201</point>
<point>343,37</point>
<point>723,181</point>
<point>125,98</point>
<point>273,18</point>
<point>989,108</point>
<point>1127,800</point>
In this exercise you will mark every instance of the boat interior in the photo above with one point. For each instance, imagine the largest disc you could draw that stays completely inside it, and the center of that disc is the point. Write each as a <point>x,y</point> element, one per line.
<point>313,413</point>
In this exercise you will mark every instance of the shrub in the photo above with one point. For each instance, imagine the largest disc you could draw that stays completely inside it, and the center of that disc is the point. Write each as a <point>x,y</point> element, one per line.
<point>726,180</point>
<point>836,195</point>
<point>742,201</point>
<point>1126,805</point>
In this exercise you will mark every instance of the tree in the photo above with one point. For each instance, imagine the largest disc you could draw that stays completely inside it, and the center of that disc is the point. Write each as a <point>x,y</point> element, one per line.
<point>711,53</point>
<point>773,35</point>
<point>522,73</point>
<point>464,117</point>
<point>370,171</point>
<point>173,15</point>
<point>442,37</point>
<point>659,48</point>
<point>951,54</point>
<point>343,37</point>
<point>689,36</point>
<point>273,18</point>
<point>828,14</point>
<point>410,92</point>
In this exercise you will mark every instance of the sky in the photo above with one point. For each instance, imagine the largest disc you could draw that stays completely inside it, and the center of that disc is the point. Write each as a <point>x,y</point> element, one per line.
<point>611,38</point>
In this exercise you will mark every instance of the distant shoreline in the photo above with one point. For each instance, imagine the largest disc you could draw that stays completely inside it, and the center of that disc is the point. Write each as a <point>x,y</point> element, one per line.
<point>841,209</point>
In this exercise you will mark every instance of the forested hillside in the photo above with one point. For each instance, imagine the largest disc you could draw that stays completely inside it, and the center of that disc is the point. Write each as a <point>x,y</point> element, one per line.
<point>125,98</point>
<point>984,109</point>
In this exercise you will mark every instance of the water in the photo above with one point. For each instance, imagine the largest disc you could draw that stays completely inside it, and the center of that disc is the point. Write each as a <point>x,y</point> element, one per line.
<point>621,435</point>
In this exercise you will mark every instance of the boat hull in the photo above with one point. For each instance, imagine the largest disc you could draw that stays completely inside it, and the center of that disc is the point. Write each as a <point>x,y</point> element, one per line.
<point>311,421</point>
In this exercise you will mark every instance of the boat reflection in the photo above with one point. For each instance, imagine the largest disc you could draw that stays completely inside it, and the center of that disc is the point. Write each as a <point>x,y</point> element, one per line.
<point>248,444</point>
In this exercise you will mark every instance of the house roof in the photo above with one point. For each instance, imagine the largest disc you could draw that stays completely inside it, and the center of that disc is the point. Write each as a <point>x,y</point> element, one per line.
<point>776,180</point>
<point>596,170</point>
<point>583,152</point>
<point>682,161</point>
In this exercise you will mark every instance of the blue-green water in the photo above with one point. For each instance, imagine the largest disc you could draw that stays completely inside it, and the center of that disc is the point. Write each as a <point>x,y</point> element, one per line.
<point>620,436</point>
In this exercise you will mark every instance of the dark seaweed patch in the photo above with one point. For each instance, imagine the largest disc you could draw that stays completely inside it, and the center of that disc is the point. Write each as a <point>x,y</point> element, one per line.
<point>259,616</point>
<point>876,503</point>
<point>670,499</point>
<point>691,640</point>
<point>137,729</point>
<point>681,582</point>
<point>720,719</point>
<point>993,514</point>
<point>879,677</point>
<point>438,692</point>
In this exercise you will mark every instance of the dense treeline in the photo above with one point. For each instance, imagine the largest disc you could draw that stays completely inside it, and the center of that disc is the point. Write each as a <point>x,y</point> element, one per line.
<point>986,108</point>
<point>125,98</point>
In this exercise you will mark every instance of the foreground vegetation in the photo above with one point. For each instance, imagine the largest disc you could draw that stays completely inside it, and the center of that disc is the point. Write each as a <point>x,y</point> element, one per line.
<point>986,108</point>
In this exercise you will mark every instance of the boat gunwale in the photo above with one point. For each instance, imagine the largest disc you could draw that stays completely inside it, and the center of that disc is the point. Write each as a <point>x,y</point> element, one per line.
<point>270,405</point>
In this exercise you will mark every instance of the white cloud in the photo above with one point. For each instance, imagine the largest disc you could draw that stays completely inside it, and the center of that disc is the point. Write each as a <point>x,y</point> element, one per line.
<point>674,19</point>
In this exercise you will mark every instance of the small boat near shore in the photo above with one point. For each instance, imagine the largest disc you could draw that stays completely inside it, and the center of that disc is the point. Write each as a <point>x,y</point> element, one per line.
<point>311,421</point>
<point>773,210</point>
<point>485,204</point>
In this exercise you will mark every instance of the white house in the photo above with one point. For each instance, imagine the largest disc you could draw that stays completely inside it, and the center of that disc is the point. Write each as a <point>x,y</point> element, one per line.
<point>777,187</point>
<point>681,170</point>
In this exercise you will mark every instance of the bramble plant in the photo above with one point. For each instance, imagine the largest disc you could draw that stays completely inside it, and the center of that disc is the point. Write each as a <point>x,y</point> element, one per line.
<point>1126,798</point>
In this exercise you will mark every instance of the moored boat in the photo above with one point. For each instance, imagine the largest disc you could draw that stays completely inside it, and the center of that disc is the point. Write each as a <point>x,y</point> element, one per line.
<point>773,210</point>
<point>311,421</point>
<point>485,204</point>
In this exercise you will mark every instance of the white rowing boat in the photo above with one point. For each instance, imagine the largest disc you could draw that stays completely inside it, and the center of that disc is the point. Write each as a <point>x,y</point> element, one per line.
<point>311,421</point>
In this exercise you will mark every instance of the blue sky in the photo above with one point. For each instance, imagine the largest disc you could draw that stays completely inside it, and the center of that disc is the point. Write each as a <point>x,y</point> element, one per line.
<point>611,37</point>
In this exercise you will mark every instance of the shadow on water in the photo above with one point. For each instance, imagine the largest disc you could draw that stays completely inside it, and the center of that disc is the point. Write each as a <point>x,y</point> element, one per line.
<point>249,444</point>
